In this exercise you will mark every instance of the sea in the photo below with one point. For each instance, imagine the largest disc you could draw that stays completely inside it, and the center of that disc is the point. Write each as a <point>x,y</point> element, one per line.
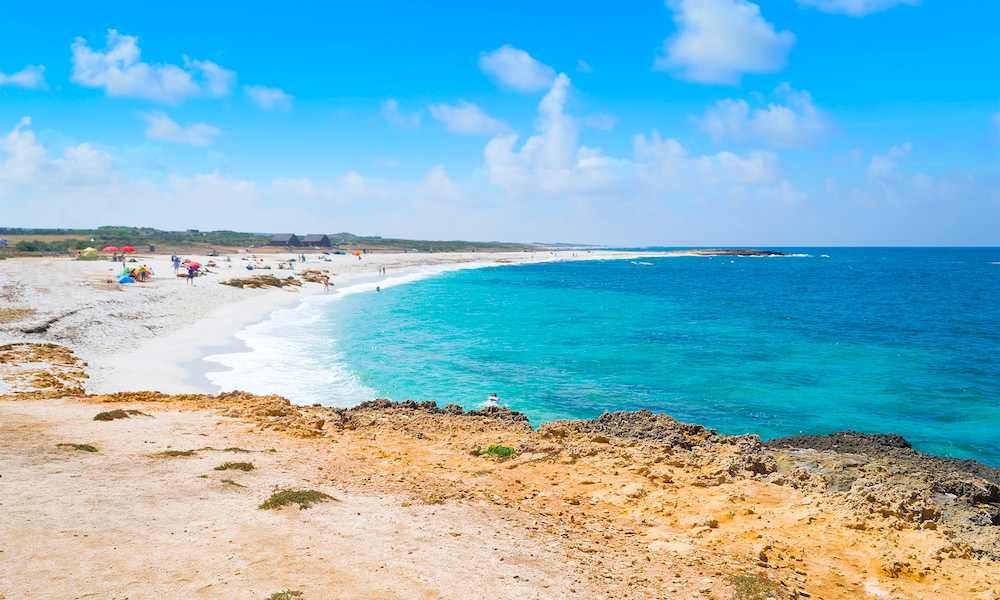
<point>878,340</point>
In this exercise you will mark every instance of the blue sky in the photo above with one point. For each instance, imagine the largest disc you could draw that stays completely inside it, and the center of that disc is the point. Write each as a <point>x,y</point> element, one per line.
<point>678,123</point>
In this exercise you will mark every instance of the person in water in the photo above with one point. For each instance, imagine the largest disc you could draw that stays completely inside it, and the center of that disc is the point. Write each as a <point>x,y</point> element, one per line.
<point>493,399</point>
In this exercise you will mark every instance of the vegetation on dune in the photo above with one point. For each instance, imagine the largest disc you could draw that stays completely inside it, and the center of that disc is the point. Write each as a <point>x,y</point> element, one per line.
<point>108,235</point>
<point>179,452</point>
<point>118,414</point>
<point>83,447</point>
<point>395,244</point>
<point>135,236</point>
<point>304,498</point>
<point>240,466</point>
<point>285,595</point>
<point>498,451</point>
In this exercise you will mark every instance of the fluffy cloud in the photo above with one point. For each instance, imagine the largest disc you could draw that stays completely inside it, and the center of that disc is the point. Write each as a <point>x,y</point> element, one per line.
<point>718,41</point>
<point>268,98</point>
<point>553,165</point>
<point>884,165</point>
<point>118,71</point>
<point>393,114</point>
<point>854,8</point>
<point>162,127</point>
<point>793,122</point>
<point>31,77</point>
<point>516,69</point>
<point>82,176</point>
<point>466,117</point>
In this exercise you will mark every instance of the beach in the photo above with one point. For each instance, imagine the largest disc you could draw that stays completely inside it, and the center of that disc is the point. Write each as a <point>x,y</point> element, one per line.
<point>629,505</point>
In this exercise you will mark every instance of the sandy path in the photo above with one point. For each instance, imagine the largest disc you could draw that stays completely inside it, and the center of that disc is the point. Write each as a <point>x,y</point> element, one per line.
<point>135,523</point>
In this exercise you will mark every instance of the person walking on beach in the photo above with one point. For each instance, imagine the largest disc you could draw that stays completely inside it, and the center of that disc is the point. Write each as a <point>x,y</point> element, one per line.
<point>190,276</point>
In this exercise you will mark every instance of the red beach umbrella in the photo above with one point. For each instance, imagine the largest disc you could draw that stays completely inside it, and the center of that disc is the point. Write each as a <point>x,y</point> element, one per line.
<point>193,265</point>
<point>111,249</point>
<point>127,249</point>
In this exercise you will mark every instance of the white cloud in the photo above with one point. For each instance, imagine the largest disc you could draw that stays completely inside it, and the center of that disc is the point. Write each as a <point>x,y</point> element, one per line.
<point>602,121</point>
<point>393,114</point>
<point>268,98</point>
<point>466,117</point>
<point>582,67</point>
<point>884,165</point>
<point>32,77</point>
<point>516,69</point>
<point>795,122</point>
<point>551,165</point>
<point>162,127</point>
<point>718,41</point>
<point>118,70</point>
<point>854,8</point>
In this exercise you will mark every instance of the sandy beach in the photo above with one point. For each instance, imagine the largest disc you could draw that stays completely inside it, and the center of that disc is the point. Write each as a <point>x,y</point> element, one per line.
<point>626,506</point>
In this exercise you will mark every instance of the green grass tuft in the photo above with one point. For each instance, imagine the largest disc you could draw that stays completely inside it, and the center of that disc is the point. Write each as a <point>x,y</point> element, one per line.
<point>304,498</point>
<point>498,451</point>
<point>285,595</point>
<point>235,450</point>
<point>242,466</point>
<point>231,482</point>
<point>83,447</point>
<point>179,452</point>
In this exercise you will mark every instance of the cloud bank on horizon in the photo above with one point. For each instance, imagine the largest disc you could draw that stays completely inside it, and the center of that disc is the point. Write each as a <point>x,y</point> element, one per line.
<point>734,123</point>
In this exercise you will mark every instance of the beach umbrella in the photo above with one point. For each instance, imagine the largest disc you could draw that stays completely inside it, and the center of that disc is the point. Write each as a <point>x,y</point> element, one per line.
<point>127,249</point>
<point>193,265</point>
<point>111,249</point>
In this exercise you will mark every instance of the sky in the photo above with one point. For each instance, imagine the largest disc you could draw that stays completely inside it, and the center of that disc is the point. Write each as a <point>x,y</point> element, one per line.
<point>641,123</point>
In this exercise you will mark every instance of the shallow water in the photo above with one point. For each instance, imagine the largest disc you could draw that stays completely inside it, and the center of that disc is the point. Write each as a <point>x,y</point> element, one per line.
<point>877,340</point>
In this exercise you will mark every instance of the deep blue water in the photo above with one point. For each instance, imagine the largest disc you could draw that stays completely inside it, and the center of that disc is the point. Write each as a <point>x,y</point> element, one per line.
<point>876,340</point>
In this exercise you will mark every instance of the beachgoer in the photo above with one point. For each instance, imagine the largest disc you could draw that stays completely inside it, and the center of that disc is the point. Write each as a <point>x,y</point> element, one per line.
<point>378,288</point>
<point>494,399</point>
<point>190,276</point>
<point>326,283</point>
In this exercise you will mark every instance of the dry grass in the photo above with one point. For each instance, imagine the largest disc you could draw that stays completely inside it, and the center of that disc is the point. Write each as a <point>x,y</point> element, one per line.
<point>304,498</point>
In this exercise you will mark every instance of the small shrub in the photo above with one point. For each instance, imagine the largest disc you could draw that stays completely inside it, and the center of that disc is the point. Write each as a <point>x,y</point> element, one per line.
<point>118,414</point>
<point>231,482</point>
<point>755,587</point>
<point>235,450</point>
<point>304,498</point>
<point>498,451</point>
<point>285,595</point>
<point>242,466</point>
<point>111,415</point>
<point>83,447</point>
<point>178,452</point>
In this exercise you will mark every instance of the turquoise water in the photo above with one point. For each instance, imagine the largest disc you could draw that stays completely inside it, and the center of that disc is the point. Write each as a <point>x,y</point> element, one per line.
<point>876,340</point>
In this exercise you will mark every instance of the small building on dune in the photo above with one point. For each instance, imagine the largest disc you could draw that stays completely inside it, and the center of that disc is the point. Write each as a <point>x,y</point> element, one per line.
<point>317,240</point>
<point>284,239</point>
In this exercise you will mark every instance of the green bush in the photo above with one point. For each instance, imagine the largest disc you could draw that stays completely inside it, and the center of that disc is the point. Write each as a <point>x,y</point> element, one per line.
<point>242,466</point>
<point>304,498</point>
<point>498,451</point>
